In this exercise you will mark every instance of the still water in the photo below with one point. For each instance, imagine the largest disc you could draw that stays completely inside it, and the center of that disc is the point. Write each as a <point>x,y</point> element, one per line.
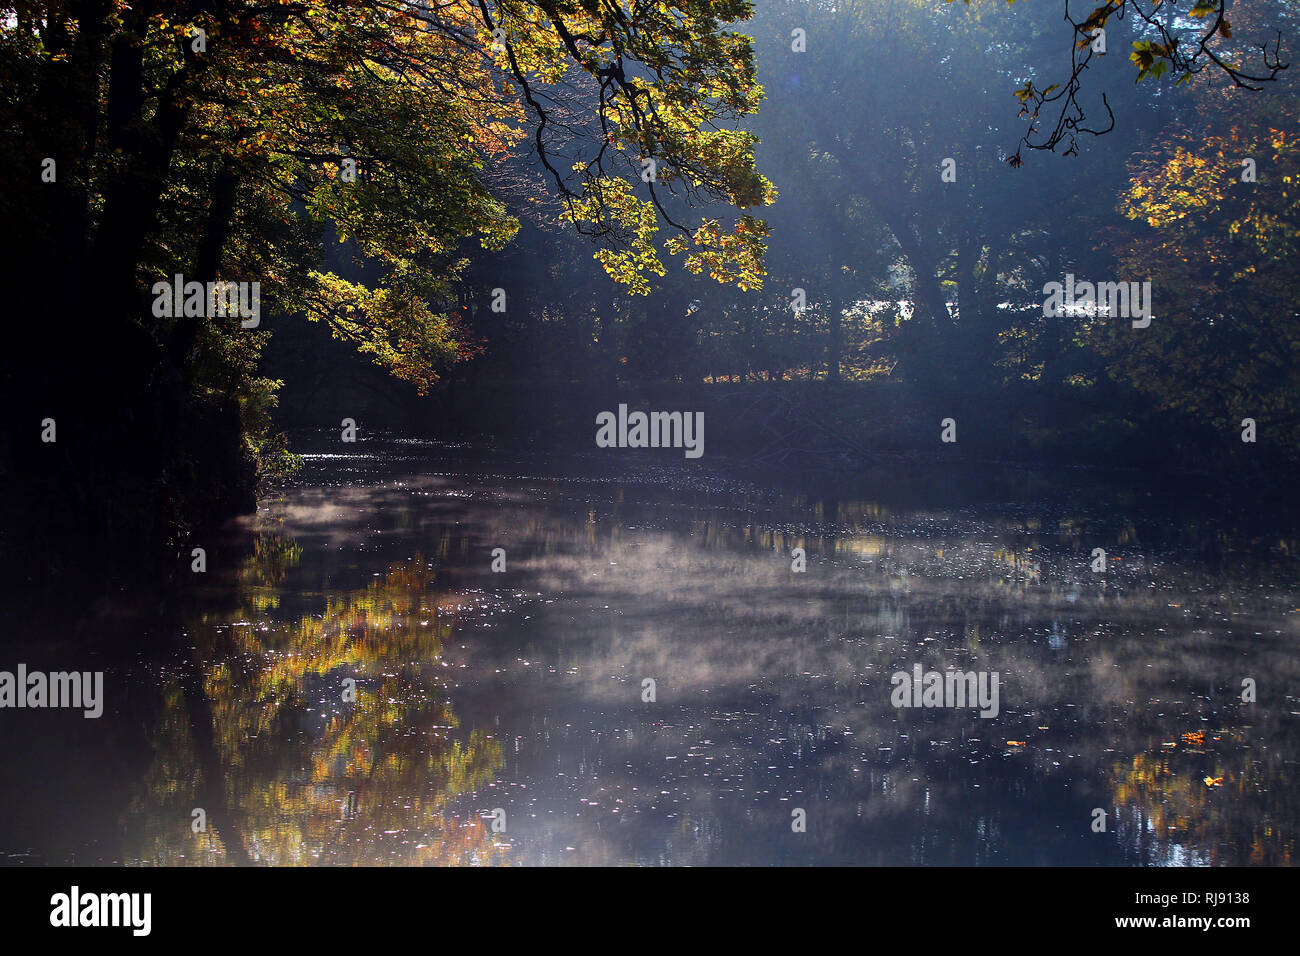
<point>350,682</point>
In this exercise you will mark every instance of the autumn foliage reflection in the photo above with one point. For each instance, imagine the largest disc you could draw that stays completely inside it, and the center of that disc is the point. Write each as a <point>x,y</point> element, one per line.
<point>1207,800</point>
<point>307,775</point>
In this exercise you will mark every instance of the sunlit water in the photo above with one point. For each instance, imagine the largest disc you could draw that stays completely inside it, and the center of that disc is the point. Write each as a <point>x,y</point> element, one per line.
<point>499,718</point>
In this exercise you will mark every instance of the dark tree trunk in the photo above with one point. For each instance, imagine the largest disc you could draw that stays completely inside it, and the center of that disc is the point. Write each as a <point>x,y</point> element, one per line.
<point>207,263</point>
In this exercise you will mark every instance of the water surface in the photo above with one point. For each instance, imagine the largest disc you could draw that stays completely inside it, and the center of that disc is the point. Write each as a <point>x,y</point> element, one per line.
<point>521,692</point>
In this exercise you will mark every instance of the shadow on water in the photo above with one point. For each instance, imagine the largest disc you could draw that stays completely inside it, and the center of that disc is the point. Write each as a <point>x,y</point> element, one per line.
<point>351,682</point>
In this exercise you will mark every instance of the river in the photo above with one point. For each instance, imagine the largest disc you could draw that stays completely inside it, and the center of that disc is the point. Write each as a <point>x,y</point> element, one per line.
<point>351,682</point>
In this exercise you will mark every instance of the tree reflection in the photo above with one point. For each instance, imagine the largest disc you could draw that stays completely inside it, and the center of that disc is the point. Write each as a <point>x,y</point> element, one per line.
<point>1208,801</point>
<point>256,730</point>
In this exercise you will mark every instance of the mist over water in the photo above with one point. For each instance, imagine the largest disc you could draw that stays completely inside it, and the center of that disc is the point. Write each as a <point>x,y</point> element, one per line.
<point>522,691</point>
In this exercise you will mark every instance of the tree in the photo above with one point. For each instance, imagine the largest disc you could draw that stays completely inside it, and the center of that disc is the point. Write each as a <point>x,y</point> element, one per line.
<point>1217,210</point>
<point>913,172</point>
<point>218,141</point>
<point>1182,46</point>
